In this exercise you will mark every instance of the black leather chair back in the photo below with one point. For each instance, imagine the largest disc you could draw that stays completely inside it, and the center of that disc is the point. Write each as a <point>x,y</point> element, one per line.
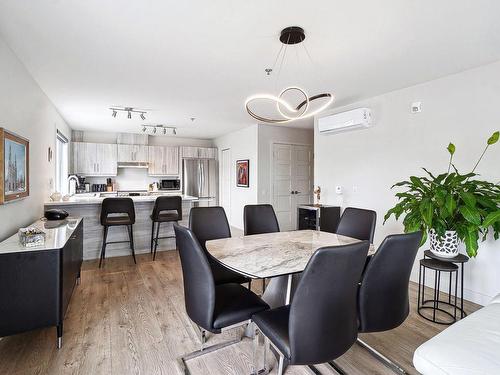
<point>209,223</point>
<point>199,287</point>
<point>383,295</point>
<point>323,315</point>
<point>166,203</point>
<point>260,218</point>
<point>357,223</point>
<point>117,206</point>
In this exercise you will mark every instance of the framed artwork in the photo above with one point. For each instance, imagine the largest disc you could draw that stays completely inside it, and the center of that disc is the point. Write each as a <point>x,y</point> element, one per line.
<point>243,173</point>
<point>14,163</point>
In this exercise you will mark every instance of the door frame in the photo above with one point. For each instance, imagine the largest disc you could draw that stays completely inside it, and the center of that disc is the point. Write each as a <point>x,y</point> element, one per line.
<point>271,179</point>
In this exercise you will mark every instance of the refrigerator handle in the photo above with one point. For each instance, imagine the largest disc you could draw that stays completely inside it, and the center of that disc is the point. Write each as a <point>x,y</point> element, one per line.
<point>202,176</point>
<point>199,178</point>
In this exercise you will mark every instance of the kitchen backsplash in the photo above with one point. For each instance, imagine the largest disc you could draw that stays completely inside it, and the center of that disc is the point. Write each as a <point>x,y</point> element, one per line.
<point>128,179</point>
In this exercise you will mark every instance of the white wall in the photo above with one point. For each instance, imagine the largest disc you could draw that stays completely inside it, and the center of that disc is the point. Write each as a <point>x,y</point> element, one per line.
<point>26,110</point>
<point>462,108</point>
<point>243,144</point>
<point>268,135</point>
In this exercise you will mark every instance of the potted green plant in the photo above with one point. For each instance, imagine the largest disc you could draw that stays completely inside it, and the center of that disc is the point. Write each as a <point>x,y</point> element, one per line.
<point>450,207</point>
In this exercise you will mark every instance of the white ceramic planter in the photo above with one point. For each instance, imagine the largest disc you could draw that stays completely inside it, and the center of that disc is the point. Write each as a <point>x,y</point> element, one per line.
<point>446,246</point>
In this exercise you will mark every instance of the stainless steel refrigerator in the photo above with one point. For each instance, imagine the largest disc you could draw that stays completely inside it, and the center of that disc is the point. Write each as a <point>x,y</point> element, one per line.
<point>200,179</point>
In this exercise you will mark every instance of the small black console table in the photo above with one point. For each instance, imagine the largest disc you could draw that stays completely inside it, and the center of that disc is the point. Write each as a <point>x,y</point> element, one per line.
<point>438,265</point>
<point>36,283</point>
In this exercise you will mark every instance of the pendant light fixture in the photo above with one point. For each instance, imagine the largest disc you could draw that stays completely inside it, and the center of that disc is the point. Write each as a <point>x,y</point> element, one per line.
<point>293,102</point>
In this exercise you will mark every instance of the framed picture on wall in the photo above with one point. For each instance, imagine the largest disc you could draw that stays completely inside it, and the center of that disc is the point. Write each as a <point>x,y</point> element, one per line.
<point>243,173</point>
<point>14,163</point>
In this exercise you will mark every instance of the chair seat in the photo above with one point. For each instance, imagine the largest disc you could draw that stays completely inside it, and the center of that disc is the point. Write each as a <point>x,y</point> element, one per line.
<point>235,304</point>
<point>118,220</point>
<point>223,275</point>
<point>274,325</point>
<point>171,216</point>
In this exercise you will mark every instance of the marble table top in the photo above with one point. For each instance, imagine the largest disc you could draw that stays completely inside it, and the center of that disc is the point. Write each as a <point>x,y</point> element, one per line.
<point>274,254</point>
<point>57,233</point>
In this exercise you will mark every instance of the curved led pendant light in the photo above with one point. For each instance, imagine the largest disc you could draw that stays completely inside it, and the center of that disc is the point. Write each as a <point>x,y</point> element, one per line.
<point>286,112</point>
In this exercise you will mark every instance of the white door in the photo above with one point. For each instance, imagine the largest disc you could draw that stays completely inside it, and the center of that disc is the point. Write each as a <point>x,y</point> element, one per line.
<point>225,187</point>
<point>292,181</point>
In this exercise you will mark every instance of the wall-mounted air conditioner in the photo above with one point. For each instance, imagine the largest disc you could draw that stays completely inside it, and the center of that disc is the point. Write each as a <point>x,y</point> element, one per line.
<point>340,122</point>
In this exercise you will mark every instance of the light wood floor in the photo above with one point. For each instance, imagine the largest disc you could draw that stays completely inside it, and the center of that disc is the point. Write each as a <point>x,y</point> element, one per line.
<point>130,319</point>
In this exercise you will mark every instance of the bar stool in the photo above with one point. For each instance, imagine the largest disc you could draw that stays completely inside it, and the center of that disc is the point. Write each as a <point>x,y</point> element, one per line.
<point>162,204</point>
<point>122,213</point>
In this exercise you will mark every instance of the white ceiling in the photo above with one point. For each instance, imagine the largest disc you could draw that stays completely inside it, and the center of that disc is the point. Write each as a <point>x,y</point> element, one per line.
<point>203,58</point>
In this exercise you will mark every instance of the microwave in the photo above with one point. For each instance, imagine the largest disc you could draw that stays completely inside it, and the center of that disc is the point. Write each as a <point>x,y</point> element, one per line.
<point>170,184</point>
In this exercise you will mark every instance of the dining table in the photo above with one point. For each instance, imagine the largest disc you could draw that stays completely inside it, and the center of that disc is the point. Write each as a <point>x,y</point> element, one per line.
<point>278,256</point>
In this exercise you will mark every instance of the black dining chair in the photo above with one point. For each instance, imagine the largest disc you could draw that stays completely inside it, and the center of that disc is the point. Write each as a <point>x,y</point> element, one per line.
<point>117,212</point>
<point>259,219</point>
<point>213,308</point>
<point>383,295</point>
<point>321,323</point>
<point>210,223</point>
<point>357,223</point>
<point>165,210</point>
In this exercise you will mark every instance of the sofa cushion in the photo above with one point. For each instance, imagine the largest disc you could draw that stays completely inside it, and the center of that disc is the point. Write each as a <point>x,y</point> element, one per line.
<point>470,346</point>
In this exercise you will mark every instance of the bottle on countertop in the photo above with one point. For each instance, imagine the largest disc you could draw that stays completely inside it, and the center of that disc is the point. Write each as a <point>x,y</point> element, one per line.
<point>109,185</point>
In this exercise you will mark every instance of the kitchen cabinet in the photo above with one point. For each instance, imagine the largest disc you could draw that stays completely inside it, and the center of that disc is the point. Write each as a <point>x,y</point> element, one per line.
<point>94,159</point>
<point>199,152</point>
<point>132,153</point>
<point>163,161</point>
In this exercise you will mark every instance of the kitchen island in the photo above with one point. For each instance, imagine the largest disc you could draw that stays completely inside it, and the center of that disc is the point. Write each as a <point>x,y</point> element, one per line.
<point>89,208</point>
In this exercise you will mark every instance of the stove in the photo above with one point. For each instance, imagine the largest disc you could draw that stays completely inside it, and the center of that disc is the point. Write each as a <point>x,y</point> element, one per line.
<point>132,193</point>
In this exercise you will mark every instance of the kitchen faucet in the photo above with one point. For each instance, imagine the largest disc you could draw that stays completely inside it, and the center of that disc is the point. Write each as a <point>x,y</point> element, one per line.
<point>72,186</point>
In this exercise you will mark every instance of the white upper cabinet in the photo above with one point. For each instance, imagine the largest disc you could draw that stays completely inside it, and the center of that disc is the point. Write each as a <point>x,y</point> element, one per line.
<point>199,152</point>
<point>163,161</point>
<point>94,159</point>
<point>132,153</point>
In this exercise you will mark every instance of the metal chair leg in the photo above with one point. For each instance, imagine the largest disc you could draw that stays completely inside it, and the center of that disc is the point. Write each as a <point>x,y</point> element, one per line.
<point>336,368</point>
<point>392,365</point>
<point>152,236</point>
<point>131,236</point>
<point>103,249</point>
<point>281,365</point>
<point>156,239</point>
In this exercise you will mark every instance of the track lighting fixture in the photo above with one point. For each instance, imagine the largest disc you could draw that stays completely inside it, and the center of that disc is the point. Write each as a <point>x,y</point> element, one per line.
<point>159,129</point>
<point>129,110</point>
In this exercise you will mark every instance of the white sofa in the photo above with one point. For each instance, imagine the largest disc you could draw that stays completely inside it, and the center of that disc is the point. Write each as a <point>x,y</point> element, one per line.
<point>470,346</point>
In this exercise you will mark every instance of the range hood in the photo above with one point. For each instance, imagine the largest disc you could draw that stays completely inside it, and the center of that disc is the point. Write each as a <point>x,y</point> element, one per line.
<point>133,164</point>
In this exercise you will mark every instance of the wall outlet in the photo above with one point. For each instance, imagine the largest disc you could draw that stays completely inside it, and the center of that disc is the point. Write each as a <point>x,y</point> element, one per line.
<point>338,189</point>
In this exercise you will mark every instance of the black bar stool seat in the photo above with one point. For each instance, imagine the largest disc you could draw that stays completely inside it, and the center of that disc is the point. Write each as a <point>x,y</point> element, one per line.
<point>116,212</point>
<point>166,209</point>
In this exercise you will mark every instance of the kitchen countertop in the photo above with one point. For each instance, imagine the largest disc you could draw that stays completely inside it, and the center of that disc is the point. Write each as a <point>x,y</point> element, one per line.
<point>57,233</point>
<point>94,198</point>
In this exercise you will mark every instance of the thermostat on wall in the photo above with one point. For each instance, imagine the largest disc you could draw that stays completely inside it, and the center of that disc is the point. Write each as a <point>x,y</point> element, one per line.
<point>416,107</point>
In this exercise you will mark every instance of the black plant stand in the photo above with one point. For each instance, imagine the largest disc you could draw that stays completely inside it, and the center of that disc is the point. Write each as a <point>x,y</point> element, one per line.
<point>439,265</point>
<point>459,259</point>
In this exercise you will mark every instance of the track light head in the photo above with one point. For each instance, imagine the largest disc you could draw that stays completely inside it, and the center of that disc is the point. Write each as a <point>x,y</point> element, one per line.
<point>143,117</point>
<point>174,131</point>
<point>154,130</point>
<point>114,113</point>
<point>129,116</point>
<point>144,129</point>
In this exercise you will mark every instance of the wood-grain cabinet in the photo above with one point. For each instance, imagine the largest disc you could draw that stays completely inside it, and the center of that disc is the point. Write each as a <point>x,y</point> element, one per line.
<point>132,153</point>
<point>94,159</point>
<point>199,152</point>
<point>163,161</point>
